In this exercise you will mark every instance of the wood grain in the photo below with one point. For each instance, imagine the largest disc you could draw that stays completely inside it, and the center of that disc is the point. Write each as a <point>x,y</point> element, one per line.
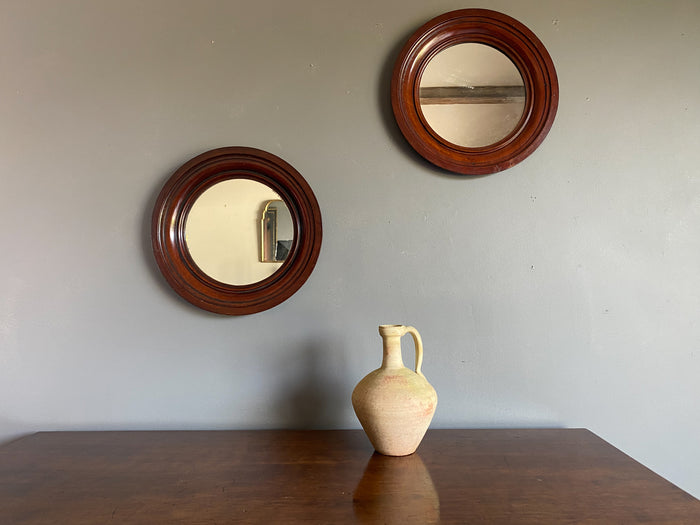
<point>457,476</point>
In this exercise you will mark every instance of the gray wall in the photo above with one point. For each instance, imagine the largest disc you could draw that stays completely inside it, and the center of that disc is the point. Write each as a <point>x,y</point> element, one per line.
<point>564,291</point>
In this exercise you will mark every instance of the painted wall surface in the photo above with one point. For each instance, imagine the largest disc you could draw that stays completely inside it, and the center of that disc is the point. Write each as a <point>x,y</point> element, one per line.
<point>562,292</point>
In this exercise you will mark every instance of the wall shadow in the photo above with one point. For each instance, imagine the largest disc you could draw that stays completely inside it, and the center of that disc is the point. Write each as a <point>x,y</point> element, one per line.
<point>313,399</point>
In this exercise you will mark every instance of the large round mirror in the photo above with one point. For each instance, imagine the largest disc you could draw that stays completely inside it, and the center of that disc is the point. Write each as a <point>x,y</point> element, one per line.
<point>474,91</point>
<point>236,230</point>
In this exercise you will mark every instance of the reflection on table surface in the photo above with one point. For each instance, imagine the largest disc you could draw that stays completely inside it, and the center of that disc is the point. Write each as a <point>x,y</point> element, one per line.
<point>396,490</point>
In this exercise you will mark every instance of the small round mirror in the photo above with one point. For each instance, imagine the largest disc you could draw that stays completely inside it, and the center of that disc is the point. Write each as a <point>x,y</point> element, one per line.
<point>235,227</point>
<point>472,95</point>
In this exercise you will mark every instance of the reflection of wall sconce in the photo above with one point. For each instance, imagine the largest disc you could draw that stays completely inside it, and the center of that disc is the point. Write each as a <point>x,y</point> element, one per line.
<point>277,232</point>
<point>396,490</point>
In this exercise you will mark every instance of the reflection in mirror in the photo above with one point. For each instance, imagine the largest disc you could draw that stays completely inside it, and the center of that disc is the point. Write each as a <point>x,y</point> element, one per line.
<point>222,228</point>
<point>277,232</point>
<point>472,95</point>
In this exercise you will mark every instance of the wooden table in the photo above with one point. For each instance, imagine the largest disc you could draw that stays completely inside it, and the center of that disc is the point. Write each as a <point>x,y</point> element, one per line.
<point>457,476</point>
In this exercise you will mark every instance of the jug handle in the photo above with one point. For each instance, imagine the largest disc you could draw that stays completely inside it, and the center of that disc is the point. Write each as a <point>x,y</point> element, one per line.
<point>418,342</point>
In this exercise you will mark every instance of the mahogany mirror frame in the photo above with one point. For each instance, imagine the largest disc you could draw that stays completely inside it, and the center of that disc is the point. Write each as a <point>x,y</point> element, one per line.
<point>176,200</point>
<point>515,41</point>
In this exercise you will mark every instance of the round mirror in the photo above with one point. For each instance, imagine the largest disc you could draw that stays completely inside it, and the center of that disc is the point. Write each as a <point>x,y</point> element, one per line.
<point>236,230</point>
<point>474,91</point>
<point>234,226</point>
<point>472,95</point>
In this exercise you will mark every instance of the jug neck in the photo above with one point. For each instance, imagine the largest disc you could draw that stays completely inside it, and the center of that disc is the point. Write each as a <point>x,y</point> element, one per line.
<point>392,352</point>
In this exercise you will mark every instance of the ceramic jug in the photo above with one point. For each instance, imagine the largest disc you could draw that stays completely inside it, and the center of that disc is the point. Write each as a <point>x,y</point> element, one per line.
<point>393,403</point>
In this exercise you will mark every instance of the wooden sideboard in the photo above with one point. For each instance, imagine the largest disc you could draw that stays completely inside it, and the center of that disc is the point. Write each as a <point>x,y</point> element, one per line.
<point>457,476</point>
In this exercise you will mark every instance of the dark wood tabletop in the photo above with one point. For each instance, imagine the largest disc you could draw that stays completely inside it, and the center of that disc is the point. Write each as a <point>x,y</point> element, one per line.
<point>206,477</point>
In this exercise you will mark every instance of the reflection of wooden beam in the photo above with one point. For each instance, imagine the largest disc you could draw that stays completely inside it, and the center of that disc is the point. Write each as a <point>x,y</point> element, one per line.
<point>472,95</point>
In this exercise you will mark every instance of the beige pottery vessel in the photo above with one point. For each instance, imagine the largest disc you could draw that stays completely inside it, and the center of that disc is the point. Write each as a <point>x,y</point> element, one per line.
<point>393,403</point>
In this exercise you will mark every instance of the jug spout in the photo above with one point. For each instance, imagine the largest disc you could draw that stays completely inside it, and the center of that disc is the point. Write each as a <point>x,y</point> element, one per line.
<point>392,330</point>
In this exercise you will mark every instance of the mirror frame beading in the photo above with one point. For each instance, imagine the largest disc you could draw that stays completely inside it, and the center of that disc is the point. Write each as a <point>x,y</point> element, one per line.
<point>508,36</point>
<point>177,198</point>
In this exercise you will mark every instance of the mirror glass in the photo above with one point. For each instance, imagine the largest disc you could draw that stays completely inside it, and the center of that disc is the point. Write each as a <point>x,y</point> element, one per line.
<point>472,95</point>
<point>227,228</point>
